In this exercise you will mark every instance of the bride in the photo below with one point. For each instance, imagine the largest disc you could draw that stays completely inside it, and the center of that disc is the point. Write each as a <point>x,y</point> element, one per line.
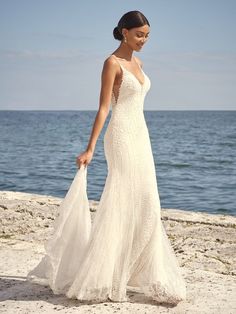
<point>126,247</point>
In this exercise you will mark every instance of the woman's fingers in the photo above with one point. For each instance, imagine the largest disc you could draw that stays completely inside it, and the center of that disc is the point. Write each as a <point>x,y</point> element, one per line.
<point>78,162</point>
<point>84,159</point>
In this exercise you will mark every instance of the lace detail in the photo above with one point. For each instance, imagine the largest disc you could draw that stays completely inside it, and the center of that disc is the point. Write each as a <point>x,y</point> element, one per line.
<point>158,292</point>
<point>114,99</point>
<point>126,246</point>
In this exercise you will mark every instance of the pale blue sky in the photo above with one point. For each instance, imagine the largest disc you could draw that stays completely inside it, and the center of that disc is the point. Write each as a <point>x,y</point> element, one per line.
<point>52,53</point>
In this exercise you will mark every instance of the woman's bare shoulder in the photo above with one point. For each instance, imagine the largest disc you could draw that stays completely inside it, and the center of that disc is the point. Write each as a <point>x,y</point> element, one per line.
<point>110,62</point>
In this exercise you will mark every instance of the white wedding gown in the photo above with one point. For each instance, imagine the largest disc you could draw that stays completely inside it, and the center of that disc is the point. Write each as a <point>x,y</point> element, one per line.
<point>126,247</point>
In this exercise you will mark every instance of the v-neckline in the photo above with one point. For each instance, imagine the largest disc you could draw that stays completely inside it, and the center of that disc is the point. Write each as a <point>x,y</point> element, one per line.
<point>142,84</point>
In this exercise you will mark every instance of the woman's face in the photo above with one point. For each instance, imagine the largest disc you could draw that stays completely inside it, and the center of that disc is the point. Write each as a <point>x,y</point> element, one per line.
<point>137,36</point>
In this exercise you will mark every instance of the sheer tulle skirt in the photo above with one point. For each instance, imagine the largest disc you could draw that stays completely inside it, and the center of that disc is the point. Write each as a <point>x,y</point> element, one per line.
<point>126,247</point>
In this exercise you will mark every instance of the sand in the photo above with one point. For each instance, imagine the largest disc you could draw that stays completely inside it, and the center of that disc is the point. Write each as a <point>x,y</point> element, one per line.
<point>205,246</point>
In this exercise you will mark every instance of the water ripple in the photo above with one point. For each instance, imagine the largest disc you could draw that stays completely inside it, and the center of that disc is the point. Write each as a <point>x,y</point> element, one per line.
<point>194,154</point>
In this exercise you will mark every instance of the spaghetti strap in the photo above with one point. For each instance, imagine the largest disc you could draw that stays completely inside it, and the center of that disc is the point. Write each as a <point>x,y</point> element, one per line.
<point>118,61</point>
<point>126,70</point>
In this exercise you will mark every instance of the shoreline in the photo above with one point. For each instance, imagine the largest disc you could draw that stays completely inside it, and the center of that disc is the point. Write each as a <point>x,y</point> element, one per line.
<point>203,243</point>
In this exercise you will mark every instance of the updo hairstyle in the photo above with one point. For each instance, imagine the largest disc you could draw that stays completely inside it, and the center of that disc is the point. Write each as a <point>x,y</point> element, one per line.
<point>129,20</point>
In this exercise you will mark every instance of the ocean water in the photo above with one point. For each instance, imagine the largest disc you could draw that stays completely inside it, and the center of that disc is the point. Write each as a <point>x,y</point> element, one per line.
<point>194,153</point>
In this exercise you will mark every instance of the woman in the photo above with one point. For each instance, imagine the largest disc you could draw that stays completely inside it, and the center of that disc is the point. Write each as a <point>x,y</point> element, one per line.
<point>127,246</point>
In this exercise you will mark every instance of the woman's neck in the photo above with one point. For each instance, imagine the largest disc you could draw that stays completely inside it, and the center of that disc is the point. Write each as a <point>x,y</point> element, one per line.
<point>124,52</point>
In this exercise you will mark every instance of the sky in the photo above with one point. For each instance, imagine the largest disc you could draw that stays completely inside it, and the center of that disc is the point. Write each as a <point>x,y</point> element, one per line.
<point>52,53</point>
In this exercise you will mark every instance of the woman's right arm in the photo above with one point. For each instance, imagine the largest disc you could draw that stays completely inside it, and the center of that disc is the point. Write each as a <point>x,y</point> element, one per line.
<point>107,80</point>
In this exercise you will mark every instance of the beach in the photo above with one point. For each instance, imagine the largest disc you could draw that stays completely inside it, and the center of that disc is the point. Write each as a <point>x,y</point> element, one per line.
<point>204,245</point>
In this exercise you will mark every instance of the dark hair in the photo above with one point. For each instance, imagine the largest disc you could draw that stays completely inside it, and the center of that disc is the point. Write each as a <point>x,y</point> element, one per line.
<point>129,20</point>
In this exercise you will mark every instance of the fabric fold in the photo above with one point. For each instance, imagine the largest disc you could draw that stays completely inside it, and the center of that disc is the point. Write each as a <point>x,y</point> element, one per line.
<point>71,232</point>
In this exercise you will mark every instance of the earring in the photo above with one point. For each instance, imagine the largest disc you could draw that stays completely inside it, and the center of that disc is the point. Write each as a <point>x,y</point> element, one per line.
<point>125,39</point>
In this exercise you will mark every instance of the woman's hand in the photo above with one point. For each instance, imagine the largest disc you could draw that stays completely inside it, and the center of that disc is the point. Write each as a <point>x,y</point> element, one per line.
<point>84,158</point>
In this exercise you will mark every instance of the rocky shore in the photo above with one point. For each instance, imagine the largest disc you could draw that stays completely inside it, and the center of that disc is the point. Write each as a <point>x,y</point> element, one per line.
<point>205,246</point>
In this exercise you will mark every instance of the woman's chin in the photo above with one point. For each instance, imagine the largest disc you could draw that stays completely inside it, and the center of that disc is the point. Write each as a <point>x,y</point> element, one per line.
<point>138,48</point>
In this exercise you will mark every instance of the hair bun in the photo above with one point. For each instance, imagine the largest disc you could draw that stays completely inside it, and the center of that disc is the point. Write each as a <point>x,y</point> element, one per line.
<point>116,33</point>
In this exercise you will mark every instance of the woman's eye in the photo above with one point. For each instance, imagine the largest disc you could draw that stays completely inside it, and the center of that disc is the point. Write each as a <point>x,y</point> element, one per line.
<point>139,36</point>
